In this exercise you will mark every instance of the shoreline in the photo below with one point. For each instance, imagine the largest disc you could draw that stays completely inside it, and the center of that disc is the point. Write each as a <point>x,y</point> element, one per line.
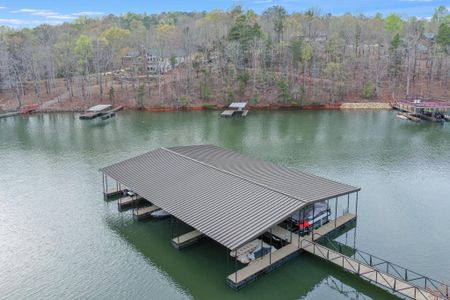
<point>263,107</point>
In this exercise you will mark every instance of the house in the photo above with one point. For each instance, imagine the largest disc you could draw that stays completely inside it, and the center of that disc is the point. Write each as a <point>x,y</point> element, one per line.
<point>153,61</point>
<point>160,64</point>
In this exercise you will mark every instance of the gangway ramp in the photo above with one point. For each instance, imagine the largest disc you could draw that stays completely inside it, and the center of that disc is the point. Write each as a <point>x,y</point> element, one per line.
<point>388,281</point>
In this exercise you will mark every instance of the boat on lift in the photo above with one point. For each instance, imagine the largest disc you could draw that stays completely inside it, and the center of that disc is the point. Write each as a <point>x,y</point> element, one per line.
<point>160,213</point>
<point>315,216</point>
<point>402,117</point>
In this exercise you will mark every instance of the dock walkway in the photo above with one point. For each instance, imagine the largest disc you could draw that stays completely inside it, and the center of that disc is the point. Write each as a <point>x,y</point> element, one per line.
<point>271,261</point>
<point>388,281</point>
<point>187,239</point>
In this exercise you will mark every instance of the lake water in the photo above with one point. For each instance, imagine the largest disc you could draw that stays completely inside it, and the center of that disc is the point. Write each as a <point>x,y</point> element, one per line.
<point>59,239</point>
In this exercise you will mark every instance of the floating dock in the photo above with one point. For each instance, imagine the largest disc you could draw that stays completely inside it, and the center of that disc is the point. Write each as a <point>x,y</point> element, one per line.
<point>187,239</point>
<point>128,201</point>
<point>410,116</point>
<point>235,108</point>
<point>141,213</point>
<point>9,114</point>
<point>113,193</point>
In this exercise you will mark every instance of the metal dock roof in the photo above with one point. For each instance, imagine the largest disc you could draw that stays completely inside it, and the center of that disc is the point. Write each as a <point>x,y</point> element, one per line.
<point>238,105</point>
<point>301,185</point>
<point>227,196</point>
<point>99,107</point>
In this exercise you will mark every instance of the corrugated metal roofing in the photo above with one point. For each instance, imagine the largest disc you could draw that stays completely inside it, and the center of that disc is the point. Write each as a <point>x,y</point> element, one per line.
<point>230,204</point>
<point>238,105</point>
<point>301,185</point>
<point>99,107</point>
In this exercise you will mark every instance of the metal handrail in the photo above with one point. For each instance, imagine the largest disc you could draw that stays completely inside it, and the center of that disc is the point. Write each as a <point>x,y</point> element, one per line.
<point>423,281</point>
<point>440,289</point>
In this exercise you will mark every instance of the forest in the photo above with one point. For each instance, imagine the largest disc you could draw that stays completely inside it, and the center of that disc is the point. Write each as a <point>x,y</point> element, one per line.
<point>216,57</point>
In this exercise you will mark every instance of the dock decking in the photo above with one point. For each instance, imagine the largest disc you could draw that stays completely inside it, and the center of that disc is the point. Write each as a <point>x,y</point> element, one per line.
<point>113,192</point>
<point>385,280</point>
<point>271,261</point>
<point>227,113</point>
<point>144,212</point>
<point>410,116</point>
<point>187,239</point>
<point>128,201</point>
<point>230,113</point>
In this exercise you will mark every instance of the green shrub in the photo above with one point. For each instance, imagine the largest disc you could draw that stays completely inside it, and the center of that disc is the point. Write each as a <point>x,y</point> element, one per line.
<point>368,90</point>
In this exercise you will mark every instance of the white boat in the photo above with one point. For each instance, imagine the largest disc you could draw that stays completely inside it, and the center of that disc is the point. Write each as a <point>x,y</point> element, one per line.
<point>402,117</point>
<point>131,193</point>
<point>260,251</point>
<point>242,253</point>
<point>160,213</point>
<point>321,216</point>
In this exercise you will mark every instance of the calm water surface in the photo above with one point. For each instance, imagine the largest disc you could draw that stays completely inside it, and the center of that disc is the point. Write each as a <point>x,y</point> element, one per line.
<point>59,239</point>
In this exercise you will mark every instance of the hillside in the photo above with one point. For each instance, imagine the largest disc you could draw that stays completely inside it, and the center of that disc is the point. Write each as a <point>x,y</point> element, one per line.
<point>221,56</point>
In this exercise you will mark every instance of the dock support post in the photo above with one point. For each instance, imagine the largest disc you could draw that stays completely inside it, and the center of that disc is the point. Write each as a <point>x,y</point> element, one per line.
<point>178,232</point>
<point>335,212</point>
<point>290,239</point>
<point>171,227</point>
<point>103,178</point>
<point>235,266</point>
<point>348,203</point>
<point>106,184</point>
<point>356,208</point>
<point>299,230</point>
<point>270,253</point>
<point>313,217</point>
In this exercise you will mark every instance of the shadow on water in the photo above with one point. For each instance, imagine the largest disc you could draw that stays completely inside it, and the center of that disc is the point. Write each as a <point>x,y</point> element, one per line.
<point>201,269</point>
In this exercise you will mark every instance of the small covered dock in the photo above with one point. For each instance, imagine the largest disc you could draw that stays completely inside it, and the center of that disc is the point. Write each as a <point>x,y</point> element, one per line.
<point>103,111</point>
<point>427,109</point>
<point>241,203</point>
<point>235,108</point>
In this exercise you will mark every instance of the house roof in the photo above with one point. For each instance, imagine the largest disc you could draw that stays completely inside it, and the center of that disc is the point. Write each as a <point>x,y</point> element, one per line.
<point>227,196</point>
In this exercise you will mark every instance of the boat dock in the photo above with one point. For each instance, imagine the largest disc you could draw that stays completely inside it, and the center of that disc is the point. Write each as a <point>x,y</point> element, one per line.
<point>272,214</point>
<point>235,108</point>
<point>104,111</point>
<point>417,108</point>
